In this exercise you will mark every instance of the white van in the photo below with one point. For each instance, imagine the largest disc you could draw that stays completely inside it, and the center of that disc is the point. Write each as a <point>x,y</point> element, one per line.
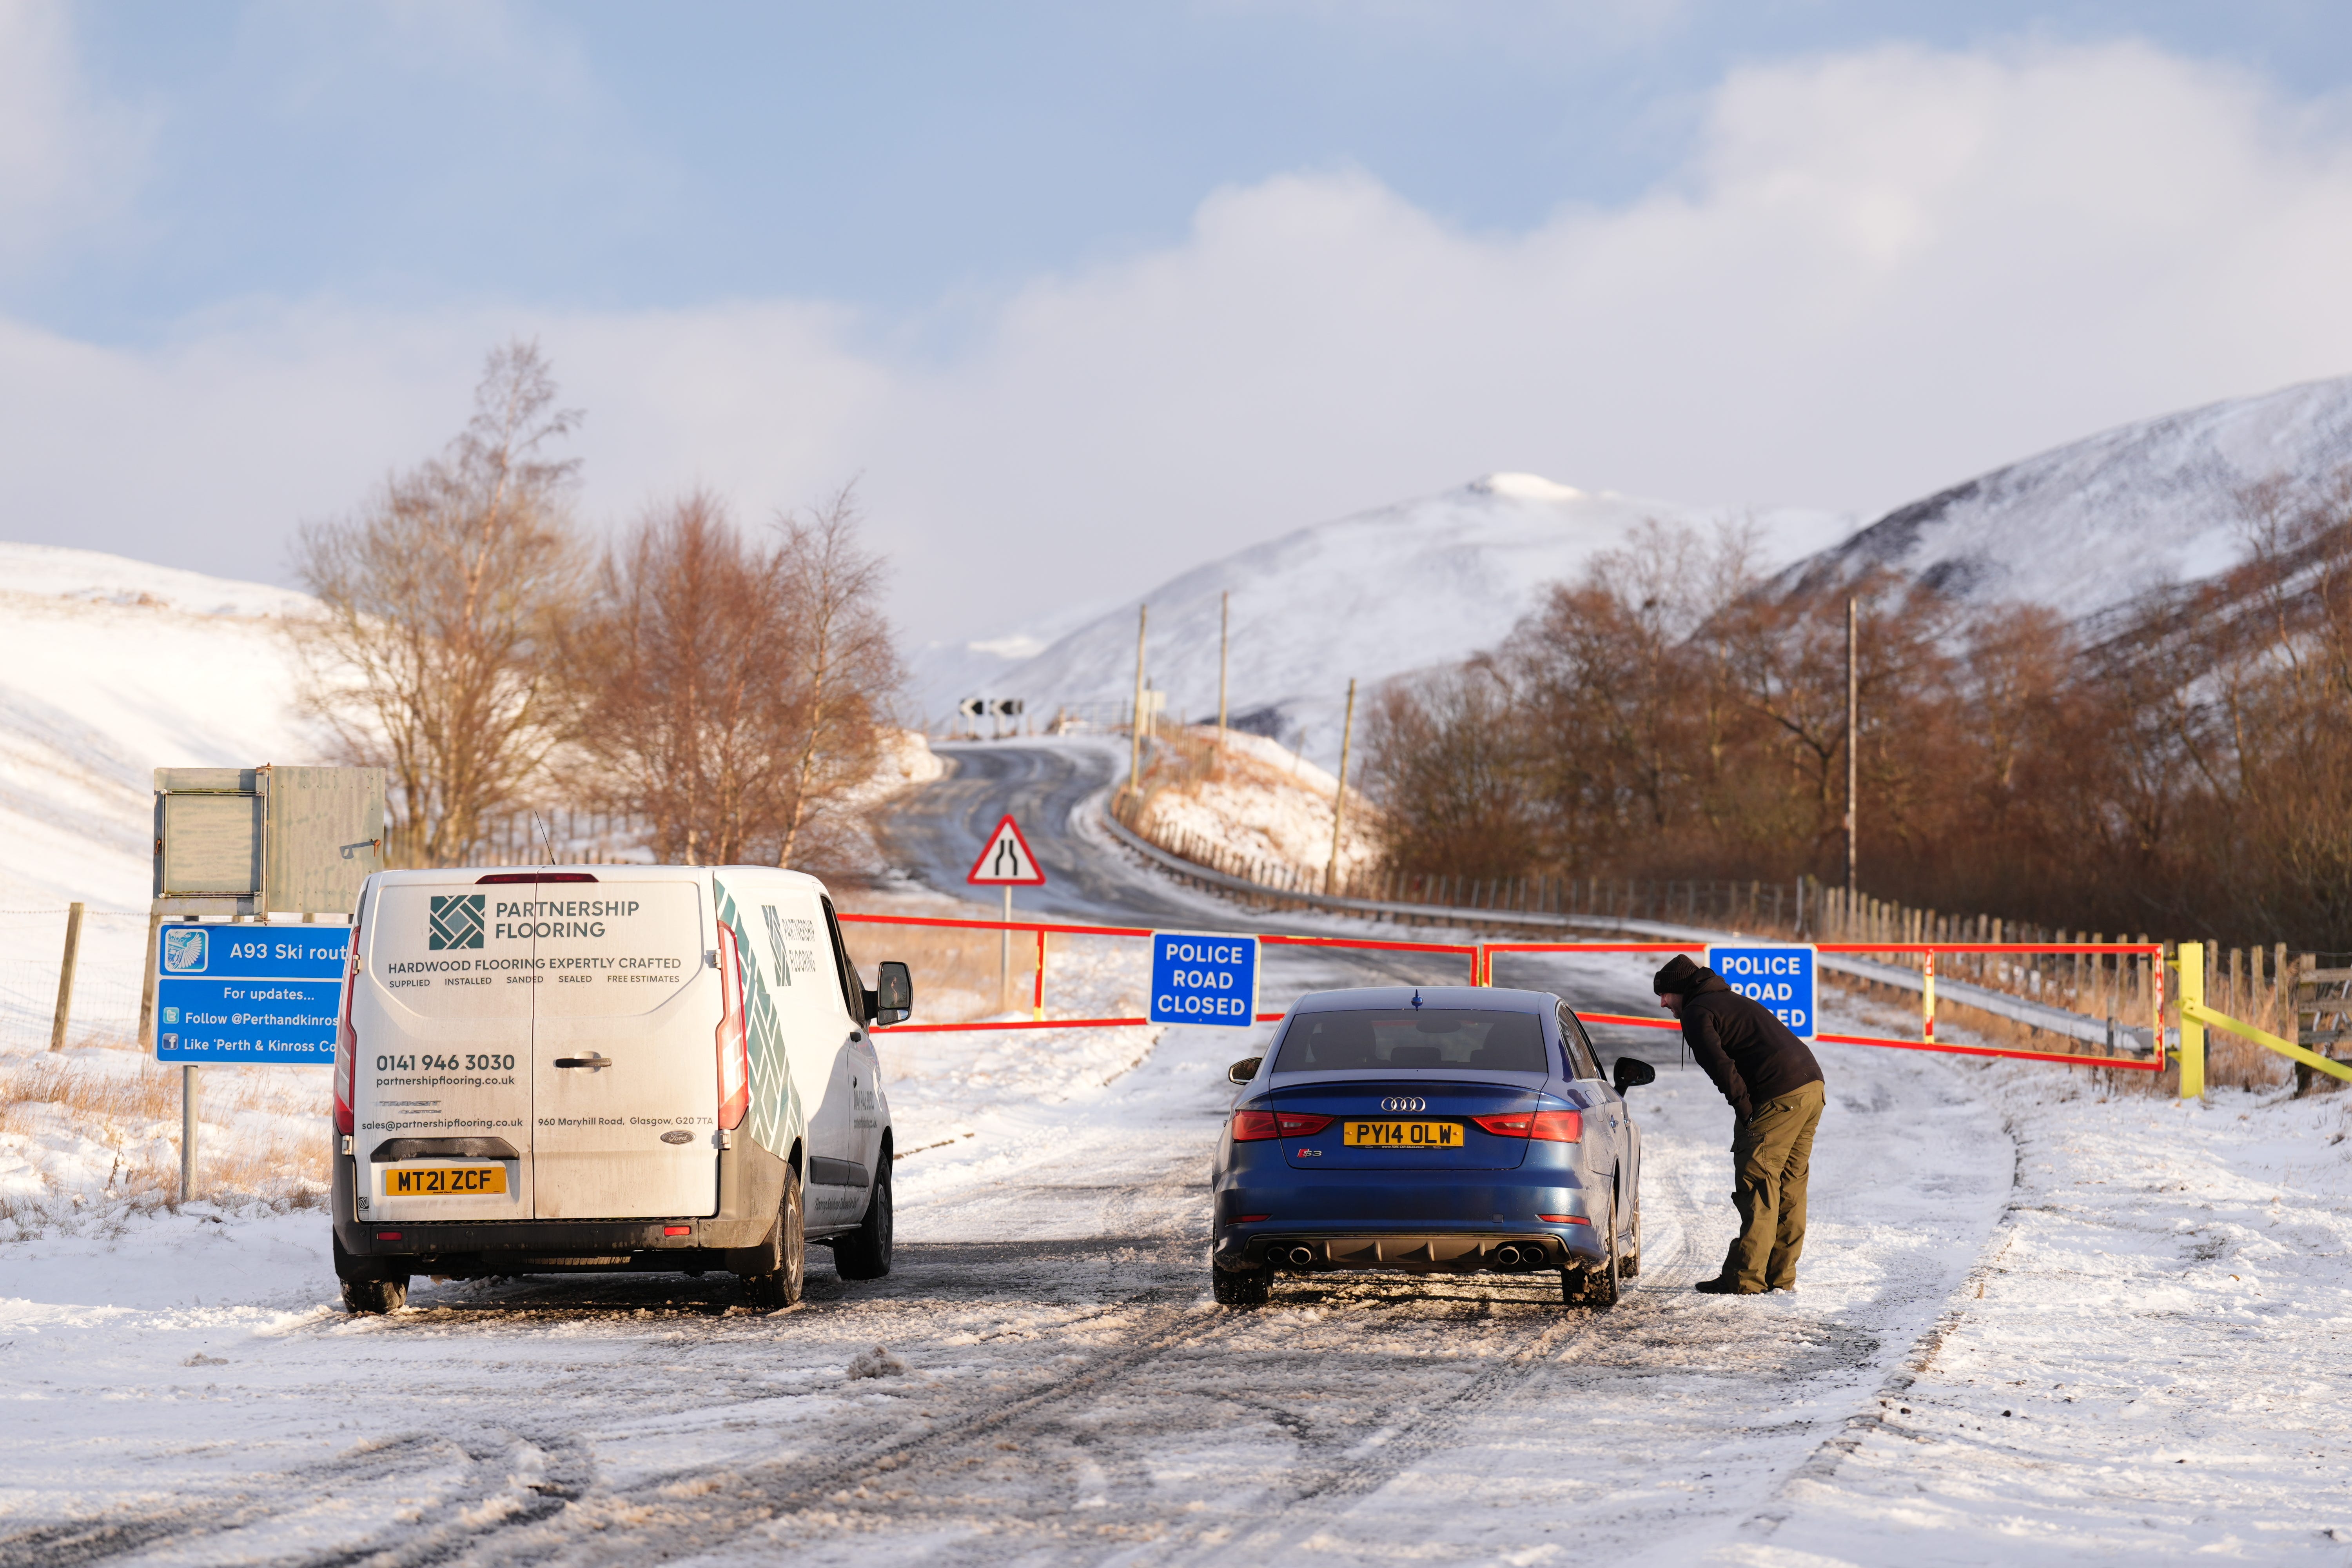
<point>616,1067</point>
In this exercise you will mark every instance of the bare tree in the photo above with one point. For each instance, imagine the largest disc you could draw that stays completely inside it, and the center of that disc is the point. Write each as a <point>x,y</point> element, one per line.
<point>679,666</point>
<point>441,599</point>
<point>846,667</point>
<point>730,692</point>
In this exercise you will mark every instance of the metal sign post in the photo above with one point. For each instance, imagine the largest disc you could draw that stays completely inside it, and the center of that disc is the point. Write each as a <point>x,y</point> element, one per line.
<point>1006,861</point>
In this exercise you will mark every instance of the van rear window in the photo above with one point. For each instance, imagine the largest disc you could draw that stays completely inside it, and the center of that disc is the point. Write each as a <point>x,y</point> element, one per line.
<point>1413,1040</point>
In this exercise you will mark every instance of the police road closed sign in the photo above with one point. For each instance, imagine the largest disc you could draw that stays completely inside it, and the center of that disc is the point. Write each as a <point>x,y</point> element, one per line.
<point>1779,975</point>
<point>1204,977</point>
<point>249,993</point>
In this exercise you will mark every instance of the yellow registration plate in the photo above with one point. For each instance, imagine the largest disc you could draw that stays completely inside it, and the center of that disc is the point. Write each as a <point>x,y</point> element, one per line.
<point>1405,1135</point>
<point>443,1181</point>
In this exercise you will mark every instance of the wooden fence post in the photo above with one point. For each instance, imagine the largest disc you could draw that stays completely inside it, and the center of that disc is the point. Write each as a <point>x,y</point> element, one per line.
<point>65,978</point>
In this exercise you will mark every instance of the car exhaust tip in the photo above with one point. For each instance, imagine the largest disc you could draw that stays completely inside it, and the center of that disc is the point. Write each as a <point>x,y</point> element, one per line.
<point>1299,1256</point>
<point>1506,1258</point>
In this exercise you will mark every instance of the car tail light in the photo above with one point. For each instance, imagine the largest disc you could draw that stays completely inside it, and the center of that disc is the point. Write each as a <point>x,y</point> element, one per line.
<point>734,1042</point>
<point>1250,1218</point>
<point>1559,1127</point>
<point>1563,1219</point>
<point>1546,1126</point>
<point>1254,1126</point>
<point>347,1041</point>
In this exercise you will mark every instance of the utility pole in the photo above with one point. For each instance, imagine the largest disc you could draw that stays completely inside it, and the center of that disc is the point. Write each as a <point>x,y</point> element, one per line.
<point>1135,730</point>
<point>1224,628</point>
<point>1852,747</point>
<point>1340,799</point>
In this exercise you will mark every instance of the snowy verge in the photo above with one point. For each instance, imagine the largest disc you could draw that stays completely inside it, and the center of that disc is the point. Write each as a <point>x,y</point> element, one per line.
<point>2149,1361</point>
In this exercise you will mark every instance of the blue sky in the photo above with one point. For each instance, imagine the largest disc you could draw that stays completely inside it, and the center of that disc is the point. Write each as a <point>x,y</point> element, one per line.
<point>1119,286</point>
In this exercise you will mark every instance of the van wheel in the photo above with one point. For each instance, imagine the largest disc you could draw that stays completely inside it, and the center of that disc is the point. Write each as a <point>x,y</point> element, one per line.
<point>364,1298</point>
<point>787,1249</point>
<point>865,1253</point>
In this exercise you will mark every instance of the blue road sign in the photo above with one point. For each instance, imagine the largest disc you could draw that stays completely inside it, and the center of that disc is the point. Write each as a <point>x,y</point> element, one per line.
<point>1779,975</point>
<point>1204,977</point>
<point>249,993</point>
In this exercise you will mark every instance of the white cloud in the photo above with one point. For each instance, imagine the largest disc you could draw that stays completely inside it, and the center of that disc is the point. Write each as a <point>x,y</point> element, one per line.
<point>1879,273</point>
<point>65,160</point>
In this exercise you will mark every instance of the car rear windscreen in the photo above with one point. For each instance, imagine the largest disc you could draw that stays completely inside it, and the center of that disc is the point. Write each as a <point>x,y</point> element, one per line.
<point>1437,1038</point>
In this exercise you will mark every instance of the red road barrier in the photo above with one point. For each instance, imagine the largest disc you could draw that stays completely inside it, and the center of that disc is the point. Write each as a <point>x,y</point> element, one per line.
<point>1482,972</point>
<point>1043,927</point>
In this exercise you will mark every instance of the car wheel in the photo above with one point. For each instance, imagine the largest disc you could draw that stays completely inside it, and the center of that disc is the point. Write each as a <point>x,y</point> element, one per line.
<point>865,1253</point>
<point>1630,1264</point>
<point>1241,1287</point>
<point>1596,1285</point>
<point>781,1284</point>
<point>368,1297</point>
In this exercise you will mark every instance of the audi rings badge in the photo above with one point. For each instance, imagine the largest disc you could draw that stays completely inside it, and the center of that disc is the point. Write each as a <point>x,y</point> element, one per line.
<point>1404,1102</point>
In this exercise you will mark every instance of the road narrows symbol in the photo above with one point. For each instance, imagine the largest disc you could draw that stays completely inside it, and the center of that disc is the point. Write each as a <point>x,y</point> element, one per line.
<point>1006,860</point>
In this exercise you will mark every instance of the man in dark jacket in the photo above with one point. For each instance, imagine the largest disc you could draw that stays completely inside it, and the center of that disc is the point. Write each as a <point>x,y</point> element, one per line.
<point>1775,1088</point>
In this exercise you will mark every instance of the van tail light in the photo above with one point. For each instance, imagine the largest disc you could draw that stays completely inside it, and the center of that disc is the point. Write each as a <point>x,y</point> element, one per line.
<point>347,1041</point>
<point>1255,1126</point>
<point>734,1041</point>
<point>1544,1126</point>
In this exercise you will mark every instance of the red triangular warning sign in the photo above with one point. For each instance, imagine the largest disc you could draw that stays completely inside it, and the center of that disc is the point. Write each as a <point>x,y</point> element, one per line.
<point>1007,859</point>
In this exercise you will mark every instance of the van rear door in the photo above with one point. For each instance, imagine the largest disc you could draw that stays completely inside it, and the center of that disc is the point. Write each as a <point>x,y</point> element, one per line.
<point>441,1079</point>
<point>625,1060</point>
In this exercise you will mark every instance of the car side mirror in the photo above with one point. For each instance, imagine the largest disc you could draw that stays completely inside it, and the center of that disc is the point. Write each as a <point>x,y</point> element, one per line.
<point>1243,1070</point>
<point>1631,1072</point>
<point>892,993</point>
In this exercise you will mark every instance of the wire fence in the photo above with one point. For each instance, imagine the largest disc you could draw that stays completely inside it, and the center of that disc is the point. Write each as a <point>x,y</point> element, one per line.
<point>109,978</point>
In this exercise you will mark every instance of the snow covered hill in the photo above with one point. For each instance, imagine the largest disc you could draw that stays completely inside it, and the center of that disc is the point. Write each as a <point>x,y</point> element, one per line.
<point>1421,584</point>
<point>2093,525</point>
<point>109,668</point>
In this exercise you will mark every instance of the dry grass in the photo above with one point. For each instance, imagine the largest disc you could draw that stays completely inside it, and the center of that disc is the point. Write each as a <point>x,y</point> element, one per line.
<point>97,1132</point>
<point>956,971</point>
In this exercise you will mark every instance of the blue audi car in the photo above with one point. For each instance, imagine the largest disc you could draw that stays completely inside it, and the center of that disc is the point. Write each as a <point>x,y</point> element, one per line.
<point>1434,1130</point>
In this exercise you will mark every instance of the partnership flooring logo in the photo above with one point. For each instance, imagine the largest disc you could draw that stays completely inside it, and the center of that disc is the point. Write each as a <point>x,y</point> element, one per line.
<point>456,921</point>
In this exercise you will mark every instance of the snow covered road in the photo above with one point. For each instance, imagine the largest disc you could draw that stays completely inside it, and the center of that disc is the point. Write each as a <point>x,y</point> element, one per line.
<point>183,1392</point>
<point>2022,1308</point>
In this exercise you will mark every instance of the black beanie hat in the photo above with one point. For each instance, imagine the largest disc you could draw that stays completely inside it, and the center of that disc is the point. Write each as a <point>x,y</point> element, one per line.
<point>1680,976</point>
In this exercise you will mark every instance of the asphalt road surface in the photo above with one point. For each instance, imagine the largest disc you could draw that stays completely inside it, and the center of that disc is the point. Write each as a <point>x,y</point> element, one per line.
<point>1050,1383</point>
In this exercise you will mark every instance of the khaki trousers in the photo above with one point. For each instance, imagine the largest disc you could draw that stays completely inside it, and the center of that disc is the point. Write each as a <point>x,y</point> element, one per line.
<point>1769,1156</point>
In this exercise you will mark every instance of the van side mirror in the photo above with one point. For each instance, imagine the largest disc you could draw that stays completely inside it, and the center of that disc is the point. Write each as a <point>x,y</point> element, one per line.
<point>1243,1070</point>
<point>1631,1072</point>
<point>892,1000</point>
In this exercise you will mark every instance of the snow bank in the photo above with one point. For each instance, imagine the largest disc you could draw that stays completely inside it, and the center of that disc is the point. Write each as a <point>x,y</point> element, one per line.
<point>109,669</point>
<point>1264,803</point>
